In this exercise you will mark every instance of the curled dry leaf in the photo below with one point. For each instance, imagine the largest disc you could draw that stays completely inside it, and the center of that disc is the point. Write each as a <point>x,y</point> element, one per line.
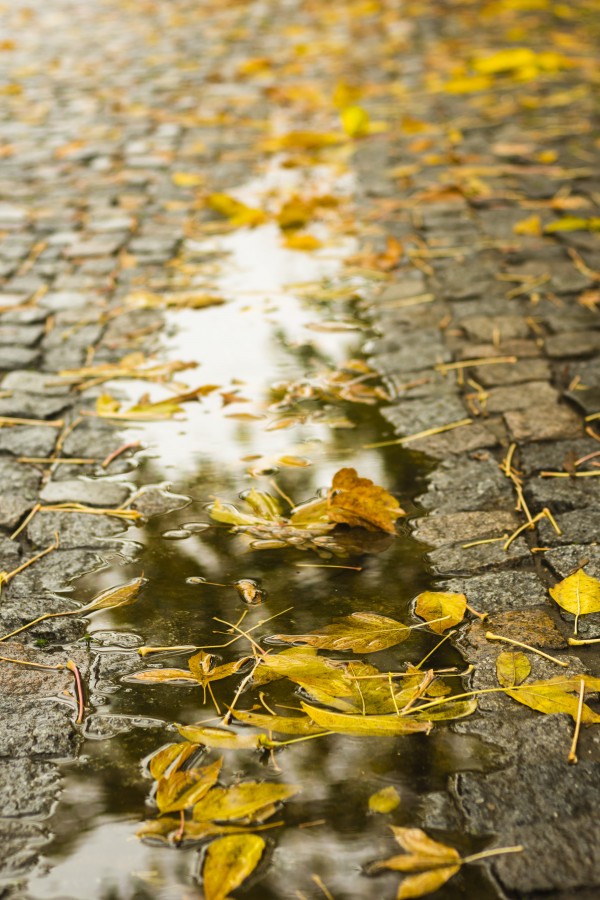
<point>357,501</point>
<point>121,595</point>
<point>512,668</point>
<point>361,632</point>
<point>228,862</point>
<point>450,608</point>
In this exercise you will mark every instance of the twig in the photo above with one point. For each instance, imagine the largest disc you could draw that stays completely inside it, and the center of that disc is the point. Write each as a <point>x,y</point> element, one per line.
<point>480,361</point>
<point>132,445</point>
<point>572,757</point>
<point>322,887</point>
<point>26,521</point>
<point>327,566</point>
<point>24,662</point>
<point>498,637</point>
<point>58,460</point>
<point>5,577</point>
<point>11,420</point>
<point>569,474</point>
<point>429,432</point>
<point>78,691</point>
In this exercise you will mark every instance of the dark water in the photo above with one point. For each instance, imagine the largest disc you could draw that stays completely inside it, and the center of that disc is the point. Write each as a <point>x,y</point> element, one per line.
<point>258,338</point>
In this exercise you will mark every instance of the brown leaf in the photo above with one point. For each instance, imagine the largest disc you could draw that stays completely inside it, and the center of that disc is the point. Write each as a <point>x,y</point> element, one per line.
<point>357,501</point>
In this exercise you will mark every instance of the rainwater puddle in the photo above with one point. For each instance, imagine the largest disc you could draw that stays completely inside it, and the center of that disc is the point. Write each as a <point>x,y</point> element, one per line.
<point>257,338</point>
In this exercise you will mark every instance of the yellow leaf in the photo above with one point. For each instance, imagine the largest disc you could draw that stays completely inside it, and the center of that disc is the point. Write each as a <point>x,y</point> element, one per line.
<point>552,697</point>
<point>512,668</point>
<point>239,215</point>
<point>242,801</point>
<point>355,121</point>
<point>182,789</point>
<point>343,723</point>
<point>228,862</point>
<point>572,223</point>
<point>163,676</point>
<point>425,882</point>
<point>467,84</point>
<point>107,404</point>
<point>414,840</point>
<point>578,594</point>
<point>361,632</point>
<point>357,501</point>
<point>112,598</point>
<point>219,738</point>
<point>441,605</point>
<point>384,801</point>
<point>170,754</point>
<point>280,724</point>
<point>302,140</point>
<point>187,179</point>
<point>532,225</point>
<point>305,242</point>
<point>505,61</point>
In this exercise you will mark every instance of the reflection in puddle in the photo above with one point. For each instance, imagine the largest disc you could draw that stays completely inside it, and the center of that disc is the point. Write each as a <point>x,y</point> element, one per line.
<point>197,571</point>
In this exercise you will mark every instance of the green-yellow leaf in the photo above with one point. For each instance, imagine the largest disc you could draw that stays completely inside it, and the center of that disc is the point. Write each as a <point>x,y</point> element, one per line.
<point>441,605</point>
<point>552,698</point>
<point>163,676</point>
<point>182,789</point>
<point>242,801</point>
<point>361,632</point>
<point>512,668</point>
<point>453,709</point>
<point>573,223</point>
<point>355,121</point>
<point>364,725</point>
<point>280,724</point>
<point>384,801</point>
<point>228,862</point>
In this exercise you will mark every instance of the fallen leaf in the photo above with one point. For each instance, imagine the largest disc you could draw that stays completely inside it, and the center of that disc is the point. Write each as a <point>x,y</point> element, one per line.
<point>121,595</point>
<point>171,756</point>
<point>578,594</point>
<point>384,801</point>
<point>228,862</point>
<point>182,789</point>
<point>355,121</point>
<point>361,632</point>
<point>530,226</point>
<point>554,696</point>
<point>163,676</point>
<point>220,738</point>
<point>436,863</point>
<point>357,501</point>
<point>303,242</point>
<point>280,724</point>
<point>343,723</point>
<point>450,607</point>
<point>239,215</point>
<point>242,801</point>
<point>187,179</point>
<point>571,223</point>
<point>512,668</point>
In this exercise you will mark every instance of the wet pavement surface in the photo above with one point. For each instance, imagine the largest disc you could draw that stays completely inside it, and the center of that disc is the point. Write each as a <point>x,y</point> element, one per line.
<point>447,244</point>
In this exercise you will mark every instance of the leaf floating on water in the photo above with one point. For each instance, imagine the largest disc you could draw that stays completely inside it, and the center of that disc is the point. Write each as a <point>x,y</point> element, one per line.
<point>252,800</point>
<point>357,501</point>
<point>423,856</point>
<point>279,724</point>
<point>441,605</point>
<point>512,668</point>
<point>578,594</point>
<point>239,215</point>
<point>220,738</point>
<point>361,632</point>
<point>453,709</point>
<point>200,667</point>
<point>228,862</point>
<point>171,754</point>
<point>182,789</point>
<point>384,801</point>
<point>250,592</point>
<point>163,676</point>
<point>121,595</point>
<point>383,726</point>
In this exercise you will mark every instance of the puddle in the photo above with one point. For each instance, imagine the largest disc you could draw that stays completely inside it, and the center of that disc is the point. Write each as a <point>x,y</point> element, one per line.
<point>258,337</point>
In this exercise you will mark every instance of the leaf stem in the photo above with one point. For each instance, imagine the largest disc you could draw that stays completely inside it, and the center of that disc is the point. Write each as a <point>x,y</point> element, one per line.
<point>498,637</point>
<point>572,757</point>
<point>486,854</point>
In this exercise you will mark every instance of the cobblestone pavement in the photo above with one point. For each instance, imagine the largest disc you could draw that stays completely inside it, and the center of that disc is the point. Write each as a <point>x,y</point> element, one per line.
<point>489,319</point>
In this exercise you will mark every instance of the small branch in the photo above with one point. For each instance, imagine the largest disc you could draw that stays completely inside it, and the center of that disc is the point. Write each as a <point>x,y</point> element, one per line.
<point>132,445</point>
<point>572,757</point>
<point>429,432</point>
<point>24,662</point>
<point>498,637</point>
<point>78,691</point>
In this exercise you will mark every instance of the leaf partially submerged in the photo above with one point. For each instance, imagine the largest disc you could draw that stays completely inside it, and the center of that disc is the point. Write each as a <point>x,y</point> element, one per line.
<point>220,738</point>
<point>228,862</point>
<point>384,801</point>
<point>171,757</point>
<point>121,595</point>
<point>361,632</point>
<point>183,788</point>
<point>448,607</point>
<point>357,501</point>
<point>434,862</point>
<point>384,726</point>
<point>280,724</point>
<point>247,800</point>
